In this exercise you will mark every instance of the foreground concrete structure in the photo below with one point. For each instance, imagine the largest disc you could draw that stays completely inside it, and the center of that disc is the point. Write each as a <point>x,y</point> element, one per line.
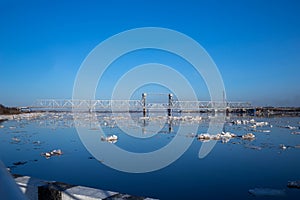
<point>36,189</point>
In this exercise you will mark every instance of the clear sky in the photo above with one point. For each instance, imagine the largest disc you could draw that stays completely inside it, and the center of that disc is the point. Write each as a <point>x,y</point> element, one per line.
<point>255,44</point>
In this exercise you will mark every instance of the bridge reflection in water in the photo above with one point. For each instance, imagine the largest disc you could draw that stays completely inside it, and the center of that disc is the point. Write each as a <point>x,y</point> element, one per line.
<point>97,120</point>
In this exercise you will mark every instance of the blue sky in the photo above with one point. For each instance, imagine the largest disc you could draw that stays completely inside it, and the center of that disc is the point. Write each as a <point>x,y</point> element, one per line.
<point>254,43</point>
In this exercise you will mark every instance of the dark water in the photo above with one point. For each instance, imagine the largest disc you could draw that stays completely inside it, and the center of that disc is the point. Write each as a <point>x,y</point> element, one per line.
<point>227,172</point>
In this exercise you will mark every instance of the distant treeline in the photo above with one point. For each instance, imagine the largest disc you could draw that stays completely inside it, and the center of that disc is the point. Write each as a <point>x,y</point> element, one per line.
<point>280,111</point>
<point>8,110</point>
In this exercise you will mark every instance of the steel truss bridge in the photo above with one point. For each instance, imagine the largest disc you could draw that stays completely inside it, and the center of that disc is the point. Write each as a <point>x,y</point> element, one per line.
<point>136,105</point>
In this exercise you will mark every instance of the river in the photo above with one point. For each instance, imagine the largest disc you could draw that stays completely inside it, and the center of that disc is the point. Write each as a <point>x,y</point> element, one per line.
<point>232,167</point>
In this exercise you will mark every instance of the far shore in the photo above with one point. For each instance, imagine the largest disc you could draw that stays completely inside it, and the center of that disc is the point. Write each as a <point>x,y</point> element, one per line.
<point>257,111</point>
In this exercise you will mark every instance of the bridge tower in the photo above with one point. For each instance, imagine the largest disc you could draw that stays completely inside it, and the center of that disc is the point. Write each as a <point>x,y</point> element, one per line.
<point>144,96</point>
<point>170,105</point>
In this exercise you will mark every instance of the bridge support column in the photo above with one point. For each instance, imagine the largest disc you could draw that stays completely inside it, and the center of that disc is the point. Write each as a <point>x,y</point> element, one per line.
<point>144,96</point>
<point>170,105</point>
<point>90,106</point>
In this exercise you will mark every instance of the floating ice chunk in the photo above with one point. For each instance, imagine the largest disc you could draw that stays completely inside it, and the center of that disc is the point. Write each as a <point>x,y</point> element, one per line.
<point>55,152</point>
<point>15,139</point>
<point>47,155</point>
<point>1,126</point>
<point>111,139</point>
<point>253,126</point>
<point>266,192</point>
<point>289,127</point>
<point>216,137</point>
<point>195,119</point>
<point>237,122</point>
<point>294,184</point>
<point>228,134</point>
<point>266,131</point>
<point>245,122</point>
<point>261,123</point>
<point>248,136</point>
<point>252,121</point>
<point>204,136</point>
<point>185,118</point>
<point>225,137</point>
<point>296,133</point>
<point>263,131</point>
<point>282,146</point>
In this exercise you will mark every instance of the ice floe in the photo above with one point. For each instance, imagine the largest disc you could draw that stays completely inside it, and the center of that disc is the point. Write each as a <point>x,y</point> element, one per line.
<point>224,136</point>
<point>55,152</point>
<point>296,133</point>
<point>282,146</point>
<point>294,184</point>
<point>111,139</point>
<point>289,127</point>
<point>248,136</point>
<point>15,139</point>
<point>21,116</point>
<point>252,122</point>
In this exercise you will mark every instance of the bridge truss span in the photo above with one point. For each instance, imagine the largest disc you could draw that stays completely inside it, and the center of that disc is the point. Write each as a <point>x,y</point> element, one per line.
<point>135,105</point>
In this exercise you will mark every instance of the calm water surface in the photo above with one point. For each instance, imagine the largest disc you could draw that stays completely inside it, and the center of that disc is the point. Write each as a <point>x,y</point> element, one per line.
<point>228,172</point>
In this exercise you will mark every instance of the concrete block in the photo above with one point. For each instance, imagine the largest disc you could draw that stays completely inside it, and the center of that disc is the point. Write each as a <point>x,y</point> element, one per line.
<point>29,186</point>
<point>80,192</point>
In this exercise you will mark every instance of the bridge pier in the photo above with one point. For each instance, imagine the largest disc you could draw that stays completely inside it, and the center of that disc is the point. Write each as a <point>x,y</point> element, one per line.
<point>144,96</point>
<point>170,105</point>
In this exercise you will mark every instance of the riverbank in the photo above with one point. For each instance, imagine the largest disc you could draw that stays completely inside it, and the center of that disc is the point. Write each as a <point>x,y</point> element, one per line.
<point>277,111</point>
<point>254,111</point>
<point>8,110</point>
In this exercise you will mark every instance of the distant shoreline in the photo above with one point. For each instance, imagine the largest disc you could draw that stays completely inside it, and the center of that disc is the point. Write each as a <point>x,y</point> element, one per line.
<point>9,110</point>
<point>257,111</point>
